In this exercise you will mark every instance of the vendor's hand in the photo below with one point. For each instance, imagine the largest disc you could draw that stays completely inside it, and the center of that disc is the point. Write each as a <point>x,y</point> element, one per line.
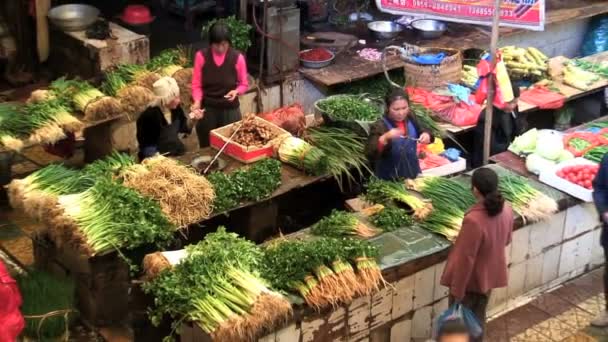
<point>425,138</point>
<point>195,106</point>
<point>392,134</point>
<point>197,114</point>
<point>232,95</point>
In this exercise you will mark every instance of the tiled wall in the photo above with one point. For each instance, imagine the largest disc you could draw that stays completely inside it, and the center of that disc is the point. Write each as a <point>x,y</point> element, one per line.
<point>541,256</point>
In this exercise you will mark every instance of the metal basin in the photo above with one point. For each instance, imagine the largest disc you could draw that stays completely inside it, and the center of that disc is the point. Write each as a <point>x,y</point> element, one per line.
<point>429,28</point>
<point>74,17</point>
<point>384,29</point>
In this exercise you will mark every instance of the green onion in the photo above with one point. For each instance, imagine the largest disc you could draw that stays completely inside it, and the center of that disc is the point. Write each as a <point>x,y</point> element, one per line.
<point>528,202</point>
<point>386,192</point>
<point>339,224</point>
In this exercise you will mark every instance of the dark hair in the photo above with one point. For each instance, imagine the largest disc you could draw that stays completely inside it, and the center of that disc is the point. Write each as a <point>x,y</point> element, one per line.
<point>486,182</point>
<point>219,33</point>
<point>394,95</point>
<point>452,327</point>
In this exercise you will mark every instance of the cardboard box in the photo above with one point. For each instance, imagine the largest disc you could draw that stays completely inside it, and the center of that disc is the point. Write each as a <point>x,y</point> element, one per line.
<point>245,154</point>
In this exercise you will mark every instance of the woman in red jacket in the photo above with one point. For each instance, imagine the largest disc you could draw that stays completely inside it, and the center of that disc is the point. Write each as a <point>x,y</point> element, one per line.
<point>477,262</point>
<point>11,320</point>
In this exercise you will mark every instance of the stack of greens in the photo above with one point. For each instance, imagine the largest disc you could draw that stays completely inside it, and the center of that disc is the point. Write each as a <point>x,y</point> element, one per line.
<point>377,87</point>
<point>451,200</point>
<point>248,184</point>
<point>340,224</point>
<point>345,152</point>
<point>350,108</point>
<point>134,98</point>
<point>392,218</point>
<point>320,270</point>
<point>387,193</point>
<point>87,99</point>
<point>48,305</point>
<point>218,287</point>
<point>528,202</point>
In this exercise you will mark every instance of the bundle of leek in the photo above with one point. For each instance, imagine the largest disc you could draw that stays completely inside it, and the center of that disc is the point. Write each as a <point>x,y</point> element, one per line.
<point>137,74</point>
<point>339,224</point>
<point>94,104</point>
<point>110,216</point>
<point>302,155</point>
<point>385,192</point>
<point>217,286</point>
<point>528,202</point>
<point>15,125</point>
<point>134,98</point>
<point>57,120</point>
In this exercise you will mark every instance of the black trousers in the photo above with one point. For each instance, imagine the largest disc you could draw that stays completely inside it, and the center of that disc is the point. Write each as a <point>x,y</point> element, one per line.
<point>606,274</point>
<point>478,303</point>
<point>215,118</point>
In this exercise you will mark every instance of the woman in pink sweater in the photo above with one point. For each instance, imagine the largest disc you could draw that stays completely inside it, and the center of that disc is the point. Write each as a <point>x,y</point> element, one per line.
<point>219,78</point>
<point>477,262</point>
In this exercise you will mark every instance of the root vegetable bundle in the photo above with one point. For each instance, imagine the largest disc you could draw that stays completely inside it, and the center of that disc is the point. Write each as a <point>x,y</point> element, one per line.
<point>184,196</point>
<point>217,286</point>
<point>386,192</point>
<point>340,224</point>
<point>252,132</point>
<point>247,184</point>
<point>302,155</point>
<point>531,204</point>
<point>320,270</point>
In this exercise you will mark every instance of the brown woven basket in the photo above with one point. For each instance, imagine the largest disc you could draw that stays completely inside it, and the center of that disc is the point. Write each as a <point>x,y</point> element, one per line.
<point>433,76</point>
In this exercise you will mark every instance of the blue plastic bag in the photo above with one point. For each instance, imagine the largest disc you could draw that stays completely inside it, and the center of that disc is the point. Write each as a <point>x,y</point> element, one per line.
<point>429,59</point>
<point>596,37</point>
<point>451,154</point>
<point>459,312</point>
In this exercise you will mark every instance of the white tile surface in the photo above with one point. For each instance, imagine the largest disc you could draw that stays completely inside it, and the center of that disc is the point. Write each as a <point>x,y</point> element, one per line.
<point>579,219</point>
<point>567,260</point>
<point>382,302</point>
<point>547,233</point>
<point>585,245</point>
<point>517,278</point>
<point>551,259</point>
<point>520,245</point>
<point>310,328</point>
<point>288,334</point>
<point>421,323</point>
<point>534,273</point>
<point>498,300</point>
<point>402,331</point>
<point>440,291</point>
<point>597,252</point>
<point>424,287</point>
<point>268,338</point>
<point>403,297</point>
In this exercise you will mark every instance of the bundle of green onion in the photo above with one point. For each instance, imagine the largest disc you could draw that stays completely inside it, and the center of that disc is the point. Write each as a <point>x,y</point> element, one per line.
<point>345,152</point>
<point>15,125</point>
<point>87,99</point>
<point>320,270</point>
<point>110,216</point>
<point>54,120</point>
<point>217,286</point>
<point>138,74</point>
<point>169,61</point>
<point>528,202</point>
<point>339,224</point>
<point>302,155</point>
<point>134,98</point>
<point>386,192</point>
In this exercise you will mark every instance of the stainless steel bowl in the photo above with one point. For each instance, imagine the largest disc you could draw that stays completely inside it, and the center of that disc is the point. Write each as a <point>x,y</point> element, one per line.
<point>317,64</point>
<point>429,28</point>
<point>384,29</point>
<point>74,17</point>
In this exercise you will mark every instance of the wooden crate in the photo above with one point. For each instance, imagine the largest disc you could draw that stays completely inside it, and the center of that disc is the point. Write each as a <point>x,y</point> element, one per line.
<point>102,282</point>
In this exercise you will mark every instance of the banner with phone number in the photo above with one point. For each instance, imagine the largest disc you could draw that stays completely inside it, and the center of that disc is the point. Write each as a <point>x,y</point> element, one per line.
<point>527,14</point>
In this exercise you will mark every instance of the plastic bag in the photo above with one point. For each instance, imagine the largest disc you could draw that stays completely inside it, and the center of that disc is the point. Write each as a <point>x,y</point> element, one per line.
<point>579,143</point>
<point>543,98</point>
<point>459,312</point>
<point>503,89</point>
<point>11,320</point>
<point>290,118</point>
<point>596,37</point>
<point>444,107</point>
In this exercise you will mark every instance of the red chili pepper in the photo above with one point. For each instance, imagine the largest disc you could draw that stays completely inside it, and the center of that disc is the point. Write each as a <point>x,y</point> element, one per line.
<point>315,55</point>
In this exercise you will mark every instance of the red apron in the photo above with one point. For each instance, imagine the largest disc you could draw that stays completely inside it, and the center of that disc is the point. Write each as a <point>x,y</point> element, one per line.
<point>11,320</point>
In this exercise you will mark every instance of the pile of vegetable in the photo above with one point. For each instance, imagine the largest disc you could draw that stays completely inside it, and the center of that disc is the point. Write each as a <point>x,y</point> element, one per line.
<point>578,78</point>
<point>321,270</point>
<point>134,98</point>
<point>579,143</point>
<point>239,32</point>
<point>302,155</point>
<point>388,193</point>
<point>252,131</point>
<point>344,150</point>
<point>342,224</point>
<point>543,149</point>
<point>257,182</point>
<point>315,55</point>
<point>184,196</point>
<point>596,154</point>
<point>469,76</point>
<point>523,63</point>
<point>391,218</point>
<point>376,87</point>
<point>596,68</point>
<point>350,108</point>
<point>218,286</point>
<point>581,175</point>
<point>87,99</point>
<point>531,204</point>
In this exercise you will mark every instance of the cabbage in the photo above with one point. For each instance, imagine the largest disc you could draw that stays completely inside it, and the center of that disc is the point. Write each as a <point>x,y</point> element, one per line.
<point>565,155</point>
<point>525,143</point>
<point>550,145</point>
<point>535,163</point>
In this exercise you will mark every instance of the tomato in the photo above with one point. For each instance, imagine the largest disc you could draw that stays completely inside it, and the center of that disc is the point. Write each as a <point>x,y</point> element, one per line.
<point>587,184</point>
<point>560,174</point>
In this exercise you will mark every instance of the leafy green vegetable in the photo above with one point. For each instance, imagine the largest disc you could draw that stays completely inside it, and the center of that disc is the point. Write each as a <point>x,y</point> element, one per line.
<point>392,218</point>
<point>377,86</point>
<point>597,153</point>
<point>340,223</point>
<point>350,107</point>
<point>239,32</point>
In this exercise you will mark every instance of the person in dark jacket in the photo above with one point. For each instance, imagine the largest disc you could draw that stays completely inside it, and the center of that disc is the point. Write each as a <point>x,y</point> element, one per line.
<point>219,77</point>
<point>506,125</point>
<point>155,133</point>
<point>393,140</point>
<point>477,262</point>
<point>600,198</point>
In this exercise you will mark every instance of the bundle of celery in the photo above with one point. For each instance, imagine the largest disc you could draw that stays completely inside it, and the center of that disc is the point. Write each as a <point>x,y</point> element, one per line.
<point>110,216</point>
<point>385,192</point>
<point>87,99</point>
<point>528,202</point>
<point>339,224</point>
<point>218,286</point>
<point>451,200</point>
<point>133,98</point>
<point>320,270</point>
<point>302,155</point>
<point>345,152</point>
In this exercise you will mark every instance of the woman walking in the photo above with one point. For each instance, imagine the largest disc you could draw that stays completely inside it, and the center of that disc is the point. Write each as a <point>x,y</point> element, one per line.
<point>477,262</point>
